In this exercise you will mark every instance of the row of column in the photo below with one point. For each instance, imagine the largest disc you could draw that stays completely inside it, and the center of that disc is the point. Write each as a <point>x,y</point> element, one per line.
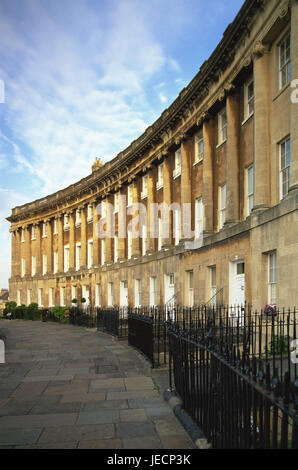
<point>261,175</point>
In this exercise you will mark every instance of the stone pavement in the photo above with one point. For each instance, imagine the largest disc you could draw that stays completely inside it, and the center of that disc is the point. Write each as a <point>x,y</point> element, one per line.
<point>69,387</point>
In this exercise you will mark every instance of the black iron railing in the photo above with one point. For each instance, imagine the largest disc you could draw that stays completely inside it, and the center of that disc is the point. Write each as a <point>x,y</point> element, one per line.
<point>236,373</point>
<point>147,331</point>
<point>113,320</point>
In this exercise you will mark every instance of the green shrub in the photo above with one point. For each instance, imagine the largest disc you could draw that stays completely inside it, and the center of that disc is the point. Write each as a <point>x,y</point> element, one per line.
<point>60,314</point>
<point>278,345</point>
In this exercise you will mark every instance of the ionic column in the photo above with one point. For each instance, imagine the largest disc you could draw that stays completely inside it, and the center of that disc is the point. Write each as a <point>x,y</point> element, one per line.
<point>136,252</point>
<point>27,251</point>
<point>167,199</point>
<point>96,241</point>
<point>49,247</point>
<point>232,159</point>
<point>13,252</point>
<point>293,105</point>
<point>83,237</point>
<point>109,250</point>
<point>185,192</point>
<point>122,227</point>
<point>61,243</point>
<point>207,190</point>
<point>151,222</point>
<point>38,248</point>
<point>261,127</point>
<point>72,241</point>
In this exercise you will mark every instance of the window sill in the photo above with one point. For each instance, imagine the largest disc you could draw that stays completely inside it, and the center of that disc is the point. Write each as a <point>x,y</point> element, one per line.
<point>159,186</point>
<point>89,221</point>
<point>281,91</point>
<point>247,119</point>
<point>197,162</point>
<point>221,143</point>
<point>176,174</point>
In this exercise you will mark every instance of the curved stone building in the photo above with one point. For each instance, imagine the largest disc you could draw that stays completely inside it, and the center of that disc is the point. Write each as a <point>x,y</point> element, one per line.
<point>223,156</point>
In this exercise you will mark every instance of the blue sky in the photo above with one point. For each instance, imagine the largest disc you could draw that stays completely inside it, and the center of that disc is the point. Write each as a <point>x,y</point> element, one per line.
<point>83,78</point>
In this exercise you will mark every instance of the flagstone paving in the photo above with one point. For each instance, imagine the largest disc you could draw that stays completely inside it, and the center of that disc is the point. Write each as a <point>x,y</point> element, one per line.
<point>68,387</point>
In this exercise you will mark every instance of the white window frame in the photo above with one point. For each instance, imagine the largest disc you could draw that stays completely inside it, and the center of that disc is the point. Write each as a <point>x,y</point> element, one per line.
<point>153,291</point>
<point>56,262</point>
<point>248,101</point>
<point>116,202</point>
<point>23,267</point>
<point>222,205</point>
<point>144,239</point>
<point>90,253</point>
<point>103,251</point>
<point>160,173</point>
<point>23,238</point>
<point>33,232</point>
<point>284,65</point>
<point>66,224</point>
<point>51,297</point>
<point>97,295</point>
<point>78,217</point>
<point>110,294</point>
<point>90,212</point>
<point>199,217</point>
<point>129,244</point>
<point>62,296</point>
<point>249,191</point>
<point>129,195</point>
<point>29,296</point>
<point>55,231</point>
<point>44,264</point>
<point>190,288</point>
<point>222,126</point>
<point>178,163</point>
<point>284,171</point>
<point>116,244</point>
<point>272,277</point>
<point>74,293</point>
<point>78,256</point>
<point>66,253</point>
<point>199,147</point>
<point>33,265</point>
<point>44,229</point>
<point>40,297</point>
<point>213,285</point>
<point>138,292</point>
<point>159,240</point>
<point>144,192</point>
<point>177,226</point>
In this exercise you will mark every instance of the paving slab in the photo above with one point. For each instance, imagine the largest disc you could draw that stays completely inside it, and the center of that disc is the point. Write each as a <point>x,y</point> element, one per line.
<point>67,387</point>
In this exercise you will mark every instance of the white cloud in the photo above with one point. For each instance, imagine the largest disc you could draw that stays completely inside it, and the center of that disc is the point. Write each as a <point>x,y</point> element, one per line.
<point>163,98</point>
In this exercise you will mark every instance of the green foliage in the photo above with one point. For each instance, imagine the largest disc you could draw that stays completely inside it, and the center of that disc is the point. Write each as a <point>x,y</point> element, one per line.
<point>278,345</point>
<point>74,301</point>
<point>61,314</point>
<point>32,312</point>
<point>83,300</point>
<point>10,305</point>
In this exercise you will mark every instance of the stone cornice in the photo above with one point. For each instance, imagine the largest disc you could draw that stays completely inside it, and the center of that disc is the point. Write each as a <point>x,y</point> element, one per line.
<point>158,139</point>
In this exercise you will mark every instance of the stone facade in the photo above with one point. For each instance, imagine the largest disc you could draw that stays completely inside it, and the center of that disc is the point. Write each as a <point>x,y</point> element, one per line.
<point>228,147</point>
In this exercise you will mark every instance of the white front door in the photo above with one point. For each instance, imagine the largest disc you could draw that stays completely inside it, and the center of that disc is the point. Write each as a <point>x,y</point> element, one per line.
<point>236,288</point>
